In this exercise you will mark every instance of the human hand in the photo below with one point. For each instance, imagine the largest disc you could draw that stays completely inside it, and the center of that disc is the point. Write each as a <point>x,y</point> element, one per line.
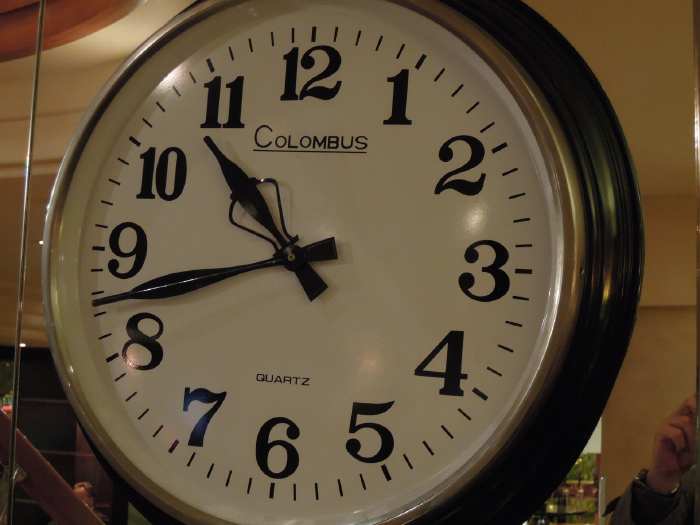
<point>674,448</point>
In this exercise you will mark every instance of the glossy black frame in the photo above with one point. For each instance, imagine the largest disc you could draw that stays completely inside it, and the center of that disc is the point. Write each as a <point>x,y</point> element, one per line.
<point>511,489</point>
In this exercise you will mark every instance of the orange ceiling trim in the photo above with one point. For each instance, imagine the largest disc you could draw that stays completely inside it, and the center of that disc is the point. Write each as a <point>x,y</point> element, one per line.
<point>65,21</point>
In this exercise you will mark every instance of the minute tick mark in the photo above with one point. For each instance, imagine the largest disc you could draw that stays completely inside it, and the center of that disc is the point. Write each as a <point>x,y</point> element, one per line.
<point>123,161</point>
<point>177,91</point>
<point>335,34</point>
<point>493,371</point>
<point>191,458</point>
<point>173,446</point>
<point>427,447</point>
<point>500,147</point>
<point>420,62</point>
<point>362,480</point>
<point>359,35</point>
<point>228,478</point>
<point>517,196</point>
<point>459,88</point>
<point>145,121</point>
<point>143,414</point>
<point>112,358</point>
<point>385,471</point>
<point>194,80</point>
<point>442,71</point>
<point>379,42</point>
<point>119,377</point>
<point>513,323</point>
<point>398,55</point>
<point>313,34</point>
<point>316,490</point>
<point>473,107</point>
<point>444,429</point>
<point>230,53</point>
<point>340,488</point>
<point>467,416</point>
<point>134,141</point>
<point>250,44</point>
<point>271,494</point>
<point>158,431</point>
<point>506,348</point>
<point>408,461</point>
<point>250,484</point>
<point>130,397</point>
<point>488,127</point>
<point>104,336</point>
<point>160,106</point>
<point>115,182</point>
<point>480,394</point>
<point>211,468</point>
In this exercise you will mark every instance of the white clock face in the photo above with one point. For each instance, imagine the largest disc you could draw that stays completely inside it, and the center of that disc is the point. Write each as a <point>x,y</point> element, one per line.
<point>244,400</point>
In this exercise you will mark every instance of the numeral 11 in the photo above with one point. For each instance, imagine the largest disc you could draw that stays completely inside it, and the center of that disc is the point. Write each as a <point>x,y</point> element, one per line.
<point>214,99</point>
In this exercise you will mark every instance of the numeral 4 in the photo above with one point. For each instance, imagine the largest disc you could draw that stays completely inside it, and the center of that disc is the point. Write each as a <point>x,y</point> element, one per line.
<point>453,376</point>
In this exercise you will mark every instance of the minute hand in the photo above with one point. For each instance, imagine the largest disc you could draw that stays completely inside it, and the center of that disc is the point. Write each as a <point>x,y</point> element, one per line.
<point>180,283</point>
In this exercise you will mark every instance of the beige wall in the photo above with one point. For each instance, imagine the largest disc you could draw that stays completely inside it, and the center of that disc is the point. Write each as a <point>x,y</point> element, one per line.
<point>659,370</point>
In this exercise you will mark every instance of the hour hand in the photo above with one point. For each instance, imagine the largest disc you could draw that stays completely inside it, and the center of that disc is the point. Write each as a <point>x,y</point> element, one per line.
<point>244,190</point>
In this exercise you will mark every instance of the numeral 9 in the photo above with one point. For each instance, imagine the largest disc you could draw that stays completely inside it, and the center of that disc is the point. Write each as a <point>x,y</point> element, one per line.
<point>138,252</point>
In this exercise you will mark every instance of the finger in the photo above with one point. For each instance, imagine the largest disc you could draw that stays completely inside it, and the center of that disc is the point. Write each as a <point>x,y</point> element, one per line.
<point>673,435</point>
<point>687,408</point>
<point>687,425</point>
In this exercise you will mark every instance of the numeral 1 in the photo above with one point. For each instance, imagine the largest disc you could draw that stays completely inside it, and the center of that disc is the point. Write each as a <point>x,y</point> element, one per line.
<point>398,111</point>
<point>234,108</point>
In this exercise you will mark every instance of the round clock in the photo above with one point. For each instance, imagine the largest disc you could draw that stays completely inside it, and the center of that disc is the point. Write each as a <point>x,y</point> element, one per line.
<point>330,262</point>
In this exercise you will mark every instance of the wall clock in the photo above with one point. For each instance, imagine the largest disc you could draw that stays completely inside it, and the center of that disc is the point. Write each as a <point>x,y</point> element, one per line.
<point>332,262</point>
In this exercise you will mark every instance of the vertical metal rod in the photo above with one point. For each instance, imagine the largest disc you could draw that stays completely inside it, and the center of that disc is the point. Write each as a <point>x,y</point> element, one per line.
<point>22,273</point>
<point>696,42</point>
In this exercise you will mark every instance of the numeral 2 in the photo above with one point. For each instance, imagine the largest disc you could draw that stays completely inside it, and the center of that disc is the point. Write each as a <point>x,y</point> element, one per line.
<point>465,187</point>
<point>234,105</point>
<point>308,62</point>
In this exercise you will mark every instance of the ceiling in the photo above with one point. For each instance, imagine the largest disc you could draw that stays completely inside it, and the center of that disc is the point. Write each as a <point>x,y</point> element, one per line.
<point>643,57</point>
